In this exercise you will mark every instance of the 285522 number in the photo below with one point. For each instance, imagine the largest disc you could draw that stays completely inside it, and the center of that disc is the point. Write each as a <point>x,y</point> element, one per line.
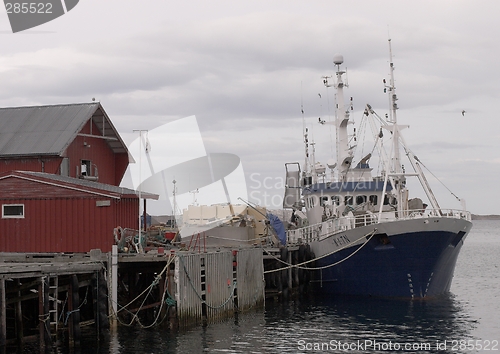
<point>28,7</point>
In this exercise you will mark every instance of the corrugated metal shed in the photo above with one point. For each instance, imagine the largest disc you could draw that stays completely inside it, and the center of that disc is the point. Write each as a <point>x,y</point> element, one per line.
<point>48,130</point>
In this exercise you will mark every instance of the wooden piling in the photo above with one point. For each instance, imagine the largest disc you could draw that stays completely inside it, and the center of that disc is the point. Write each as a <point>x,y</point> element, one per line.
<point>19,316</point>
<point>113,279</point>
<point>43,313</point>
<point>172,309</point>
<point>3,315</point>
<point>73,312</point>
<point>199,287</point>
<point>100,303</point>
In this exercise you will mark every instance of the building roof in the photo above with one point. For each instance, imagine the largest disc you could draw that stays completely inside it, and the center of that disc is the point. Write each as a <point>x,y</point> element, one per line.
<point>48,130</point>
<point>79,184</point>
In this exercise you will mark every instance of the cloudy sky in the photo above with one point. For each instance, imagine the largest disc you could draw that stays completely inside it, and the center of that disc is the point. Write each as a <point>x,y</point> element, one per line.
<point>245,68</point>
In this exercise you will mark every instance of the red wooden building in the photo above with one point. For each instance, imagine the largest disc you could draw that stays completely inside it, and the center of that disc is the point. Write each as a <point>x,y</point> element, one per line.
<point>75,140</point>
<point>60,167</point>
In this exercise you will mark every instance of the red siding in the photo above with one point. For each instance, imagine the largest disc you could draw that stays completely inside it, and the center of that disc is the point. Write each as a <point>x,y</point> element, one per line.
<point>110,166</point>
<point>61,222</point>
<point>45,164</point>
<point>121,165</point>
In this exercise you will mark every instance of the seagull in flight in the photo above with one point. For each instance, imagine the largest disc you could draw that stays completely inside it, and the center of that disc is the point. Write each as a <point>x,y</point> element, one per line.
<point>321,121</point>
<point>463,112</point>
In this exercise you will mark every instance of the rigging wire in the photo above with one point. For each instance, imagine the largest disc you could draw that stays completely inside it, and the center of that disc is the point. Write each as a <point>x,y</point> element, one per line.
<point>444,185</point>
<point>408,151</point>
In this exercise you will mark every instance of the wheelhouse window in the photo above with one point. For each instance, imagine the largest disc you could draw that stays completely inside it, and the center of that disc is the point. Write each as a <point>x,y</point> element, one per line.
<point>348,200</point>
<point>360,199</point>
<point>336,200</point>
<point>311,201</point>
<point>373,199</point>
<point>12,211</point>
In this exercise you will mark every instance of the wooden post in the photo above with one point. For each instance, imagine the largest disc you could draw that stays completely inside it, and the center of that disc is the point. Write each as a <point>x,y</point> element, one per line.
<point>69,320</point>
<point>43,313</point>
<point>19,316</point>
<point>114,286</point>
<point>74,313</point>
<point>289,260</point>
<point>99,290</point>
<point>103,303</point>
<point>3,316</point>
<point>172,289</point>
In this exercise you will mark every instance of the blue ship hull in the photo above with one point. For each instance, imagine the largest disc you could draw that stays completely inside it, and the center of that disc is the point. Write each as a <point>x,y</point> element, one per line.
<point>413,265</point>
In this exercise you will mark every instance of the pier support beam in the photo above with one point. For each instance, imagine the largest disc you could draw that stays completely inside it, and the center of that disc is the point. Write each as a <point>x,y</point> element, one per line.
<point>114,286</point>
<point>43,313</point>
<point>100,299</point>
<point>74,314</point>
<point>3,316</point>
<point>19,316</point>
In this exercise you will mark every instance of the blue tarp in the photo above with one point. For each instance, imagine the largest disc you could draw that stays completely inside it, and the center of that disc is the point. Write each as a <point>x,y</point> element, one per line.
<point>278,227</point>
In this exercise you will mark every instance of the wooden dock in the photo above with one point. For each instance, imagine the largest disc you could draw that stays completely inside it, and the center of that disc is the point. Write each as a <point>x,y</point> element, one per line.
<point>47,297</point>
<point>30,294</point>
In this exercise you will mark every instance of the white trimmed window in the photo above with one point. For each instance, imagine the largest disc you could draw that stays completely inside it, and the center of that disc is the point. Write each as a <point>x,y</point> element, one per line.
<point>12,211</point>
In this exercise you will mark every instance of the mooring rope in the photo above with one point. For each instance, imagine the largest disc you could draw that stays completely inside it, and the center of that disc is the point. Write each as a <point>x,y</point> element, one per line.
<point>155,281</point>
<point>148,290</point>
<point>199,296</point>
<point>298,266</point>
<point>69,313</point>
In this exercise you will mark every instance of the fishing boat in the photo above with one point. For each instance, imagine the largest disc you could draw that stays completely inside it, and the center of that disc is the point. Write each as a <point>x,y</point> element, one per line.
<point>368,236</point>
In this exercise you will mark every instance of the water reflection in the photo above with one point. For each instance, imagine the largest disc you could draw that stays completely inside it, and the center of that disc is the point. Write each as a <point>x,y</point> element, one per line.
<point>369,319</point>
<point>471,314</point>
<point>281,328</point>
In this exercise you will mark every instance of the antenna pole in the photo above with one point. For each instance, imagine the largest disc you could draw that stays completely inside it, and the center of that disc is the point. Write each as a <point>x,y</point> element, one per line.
<point>139,187</point>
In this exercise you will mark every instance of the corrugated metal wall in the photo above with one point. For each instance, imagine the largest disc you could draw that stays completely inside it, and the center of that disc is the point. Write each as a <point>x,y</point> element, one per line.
<point>250,277</point>
<point>206,284</point>
<point>188,291</point>
<point>220,285</point>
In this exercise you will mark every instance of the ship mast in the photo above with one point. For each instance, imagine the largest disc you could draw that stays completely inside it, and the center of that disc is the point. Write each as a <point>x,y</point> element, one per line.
<point>344,153</point>
<point>396,166</point>
<point>395,171</point>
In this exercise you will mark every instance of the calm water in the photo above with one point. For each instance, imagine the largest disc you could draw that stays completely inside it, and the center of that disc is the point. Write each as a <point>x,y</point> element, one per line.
<point>470,313</point>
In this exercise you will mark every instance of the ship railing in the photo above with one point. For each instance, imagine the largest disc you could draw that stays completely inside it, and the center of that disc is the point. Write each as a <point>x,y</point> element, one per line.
<point>436,213</point>
<point>317,232</point>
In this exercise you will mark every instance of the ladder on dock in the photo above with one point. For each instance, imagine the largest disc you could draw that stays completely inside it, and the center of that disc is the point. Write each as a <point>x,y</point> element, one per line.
<point>53,284</point>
